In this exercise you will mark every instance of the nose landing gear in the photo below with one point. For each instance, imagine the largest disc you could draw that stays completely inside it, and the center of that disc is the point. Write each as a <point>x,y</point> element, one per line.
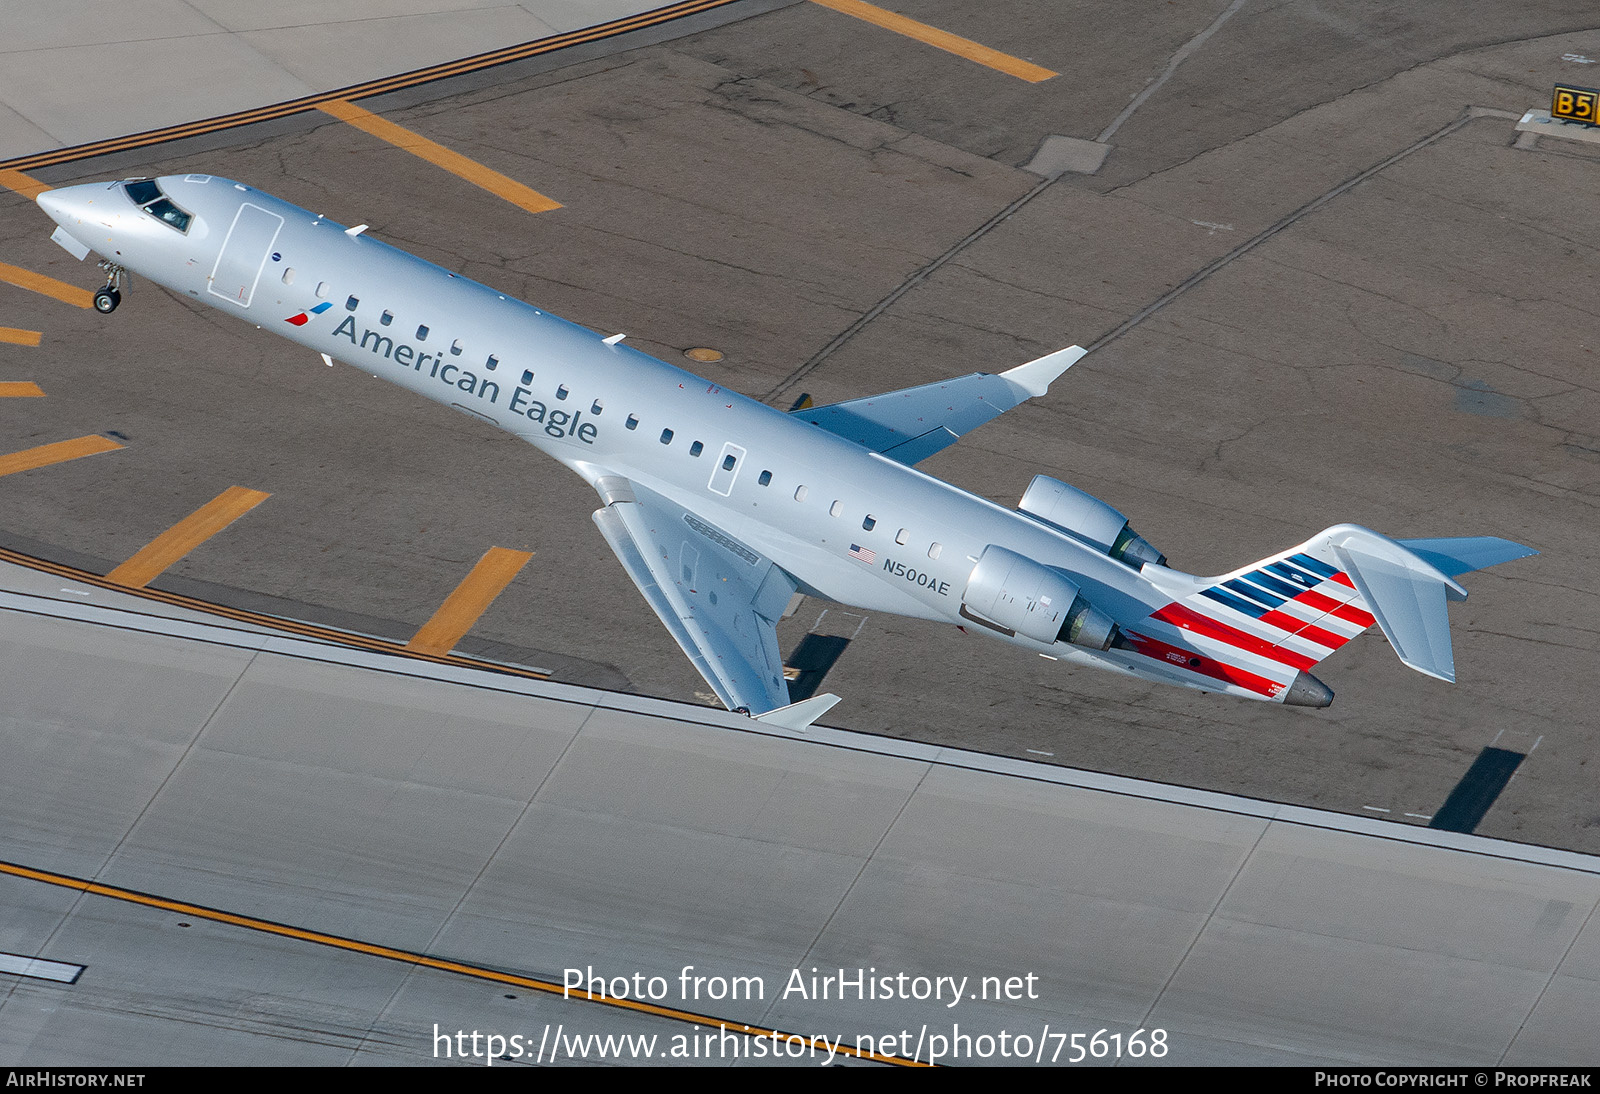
<point>107,299</point>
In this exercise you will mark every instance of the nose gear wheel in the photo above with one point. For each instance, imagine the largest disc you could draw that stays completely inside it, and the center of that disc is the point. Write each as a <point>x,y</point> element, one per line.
<point>107,299</point>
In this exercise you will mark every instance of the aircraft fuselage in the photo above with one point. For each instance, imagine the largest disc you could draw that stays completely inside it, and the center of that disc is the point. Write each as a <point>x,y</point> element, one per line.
<point>850,525</point>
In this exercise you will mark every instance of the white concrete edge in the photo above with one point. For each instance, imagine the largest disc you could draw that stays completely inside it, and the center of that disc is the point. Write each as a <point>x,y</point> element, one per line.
<point>851,740</point>
<point>39,969</point>
<point>1538,120</point>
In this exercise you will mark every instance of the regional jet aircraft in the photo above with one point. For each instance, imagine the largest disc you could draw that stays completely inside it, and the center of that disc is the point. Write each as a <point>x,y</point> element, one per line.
<point>721,508</point>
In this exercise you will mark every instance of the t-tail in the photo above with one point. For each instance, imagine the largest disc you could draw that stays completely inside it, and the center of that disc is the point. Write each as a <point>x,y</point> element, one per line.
<point>1259,630</point>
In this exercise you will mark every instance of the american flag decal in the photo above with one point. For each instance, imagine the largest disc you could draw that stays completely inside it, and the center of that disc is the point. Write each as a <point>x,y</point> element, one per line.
<point>861,554</point>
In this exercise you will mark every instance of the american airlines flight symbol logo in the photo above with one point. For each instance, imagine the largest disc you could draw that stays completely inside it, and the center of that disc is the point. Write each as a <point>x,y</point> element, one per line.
<point>305,317</point>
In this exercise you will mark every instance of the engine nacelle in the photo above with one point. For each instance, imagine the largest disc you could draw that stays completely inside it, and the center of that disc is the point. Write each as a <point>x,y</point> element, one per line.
<point>1088,518</point>
<point>1020,596</point>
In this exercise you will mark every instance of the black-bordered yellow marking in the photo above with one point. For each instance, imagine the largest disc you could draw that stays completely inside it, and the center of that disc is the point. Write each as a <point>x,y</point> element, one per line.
<point>1570,103</point>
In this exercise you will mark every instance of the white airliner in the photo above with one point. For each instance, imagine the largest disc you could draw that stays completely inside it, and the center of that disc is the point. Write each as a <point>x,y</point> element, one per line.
<point>721,508</point>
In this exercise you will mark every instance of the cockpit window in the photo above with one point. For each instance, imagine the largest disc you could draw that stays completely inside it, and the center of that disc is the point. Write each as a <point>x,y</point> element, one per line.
<point>164,210</point>
<point>142,191</point>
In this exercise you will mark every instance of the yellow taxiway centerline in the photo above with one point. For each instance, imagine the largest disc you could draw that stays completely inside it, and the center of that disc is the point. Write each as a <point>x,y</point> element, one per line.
<point>940,39</point>
<point>20,389</point>
<point>440,156</point>
<point>212,517</point>
<point>470,599</point>
<point>12,179</point>
<point>266,926</point>
<point>17,337</point>
<point>60,452</point>
<point>49,286</point>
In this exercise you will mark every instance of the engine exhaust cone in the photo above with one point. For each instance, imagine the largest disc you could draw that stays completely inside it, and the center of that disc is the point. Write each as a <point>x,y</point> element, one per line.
<point>1308,691</point>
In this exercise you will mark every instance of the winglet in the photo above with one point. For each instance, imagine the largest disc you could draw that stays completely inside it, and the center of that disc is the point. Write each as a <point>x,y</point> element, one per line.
<point>799,715</point>
<point>1035,377</point>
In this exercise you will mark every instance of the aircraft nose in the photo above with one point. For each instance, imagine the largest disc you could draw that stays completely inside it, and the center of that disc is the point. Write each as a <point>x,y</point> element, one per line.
<point>70,204</point>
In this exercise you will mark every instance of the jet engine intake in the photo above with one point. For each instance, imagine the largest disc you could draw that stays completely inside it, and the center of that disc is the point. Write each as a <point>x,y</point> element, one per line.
<point>1024,597</point>
<point>1088,518</point>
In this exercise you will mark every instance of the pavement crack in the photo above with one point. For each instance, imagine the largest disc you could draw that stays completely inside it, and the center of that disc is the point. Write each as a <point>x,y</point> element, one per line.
<point>904,287</point>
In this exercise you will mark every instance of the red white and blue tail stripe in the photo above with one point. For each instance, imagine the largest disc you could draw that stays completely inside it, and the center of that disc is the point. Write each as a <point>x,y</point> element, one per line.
<point>1256,630</point>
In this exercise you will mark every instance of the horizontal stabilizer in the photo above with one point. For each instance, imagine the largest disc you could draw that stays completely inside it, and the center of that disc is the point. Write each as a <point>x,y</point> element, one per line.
<point>799,715</point>
<point>1464,554</point>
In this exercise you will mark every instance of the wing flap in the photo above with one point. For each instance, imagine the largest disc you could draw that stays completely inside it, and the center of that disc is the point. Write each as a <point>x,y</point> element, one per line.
<point>718,599</point>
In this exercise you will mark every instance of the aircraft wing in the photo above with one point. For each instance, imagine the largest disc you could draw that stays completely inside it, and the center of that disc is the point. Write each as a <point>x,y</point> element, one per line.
<point>913,424</point>
<point>720,599</point>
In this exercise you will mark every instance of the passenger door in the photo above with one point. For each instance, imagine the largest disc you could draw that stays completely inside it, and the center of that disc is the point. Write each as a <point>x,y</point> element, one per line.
<point>244,252</point>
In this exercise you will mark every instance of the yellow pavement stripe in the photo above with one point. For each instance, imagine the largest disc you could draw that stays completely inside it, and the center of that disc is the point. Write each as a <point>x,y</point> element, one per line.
<point>440,156</point>
<point>18,337</point>
<point>283,930</point>
<point>462,607</point>
<point>939,39</point>
<point>49,286</point>
<point>183,537</point>
<point>20,389</point>
<point>60,452</point>
<point>13,179</point>
<point>271,622</point>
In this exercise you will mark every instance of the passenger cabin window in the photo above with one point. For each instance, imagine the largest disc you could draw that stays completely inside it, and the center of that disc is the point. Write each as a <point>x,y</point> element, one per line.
<point>901,536</point>
<point>288,276</point>
<point>596,407</point>
<point>869,524</point>
<point>352,304</point>
<point>800,493</point>
<point>492,363</point>
<point>386,318</point>
<point>696,448</point>
<point>666,436</point>
<point>934,549</point>
<point>455,348</point>
<point>765,479</point>
<point>322,290</point>
<point>632,422</point>
<point>527,377</point>
<point>422,334</point>
<point>727,462</point>
<point>836,508</point>
<point>562,392</point>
